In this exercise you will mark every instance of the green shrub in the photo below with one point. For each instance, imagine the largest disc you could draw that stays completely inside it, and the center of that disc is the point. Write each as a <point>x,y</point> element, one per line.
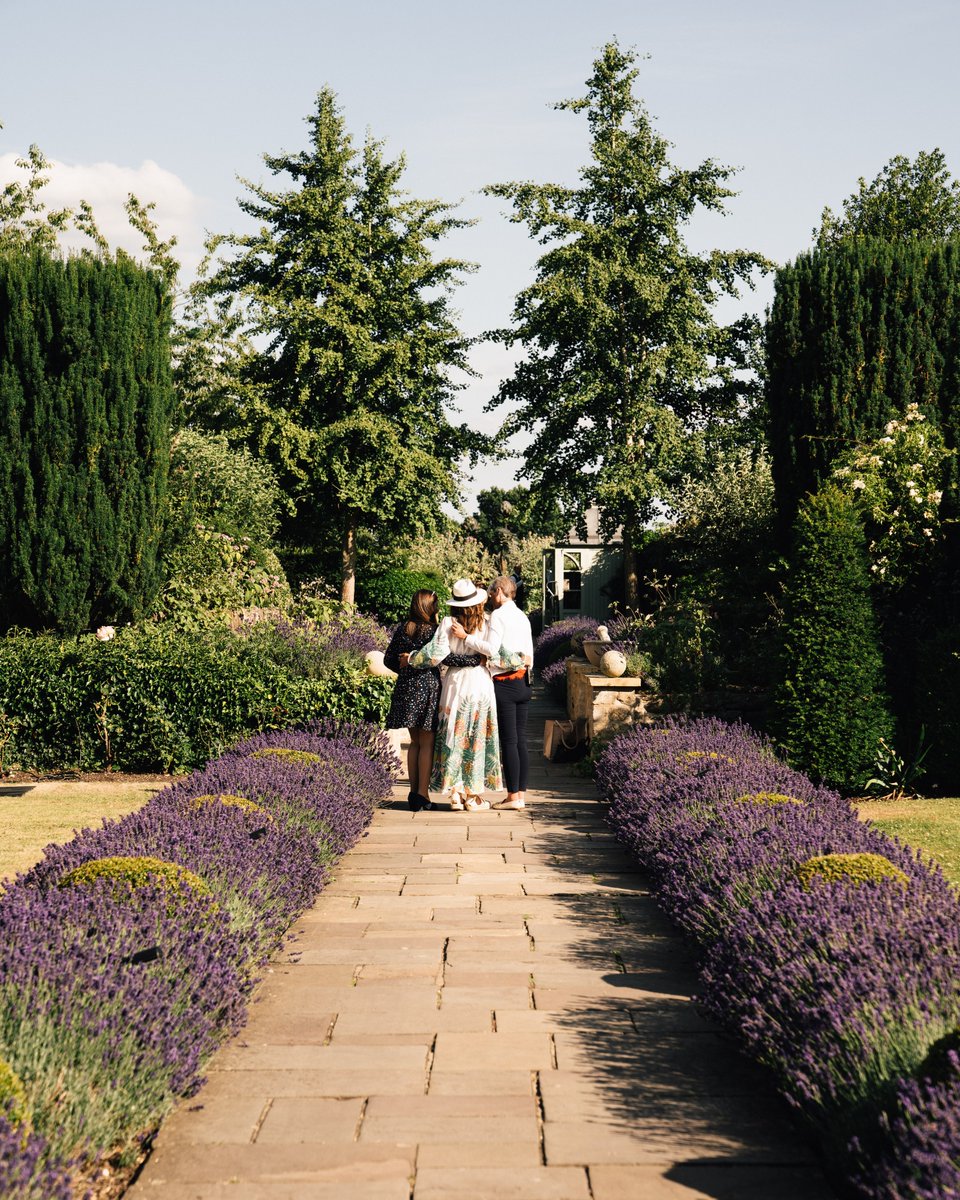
<point>127,874</point>
<point>249,808</point>
<point>767,798</point>
<point>13,1096</point>
<point>831,707</point>
<point>388,595</point>
<point>854,868</point>
<point>937,704</point>
<point>285,754</point>
<point>161,697</point>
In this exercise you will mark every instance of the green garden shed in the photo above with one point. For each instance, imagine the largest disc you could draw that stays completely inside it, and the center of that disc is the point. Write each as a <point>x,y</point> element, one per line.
<point>582,577</point>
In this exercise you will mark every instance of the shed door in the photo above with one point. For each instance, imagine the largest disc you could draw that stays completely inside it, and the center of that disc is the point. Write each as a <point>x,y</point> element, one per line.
<point>572,581</point>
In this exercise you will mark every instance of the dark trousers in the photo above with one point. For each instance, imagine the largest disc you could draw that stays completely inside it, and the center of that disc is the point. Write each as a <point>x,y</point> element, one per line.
<point>513,704</point>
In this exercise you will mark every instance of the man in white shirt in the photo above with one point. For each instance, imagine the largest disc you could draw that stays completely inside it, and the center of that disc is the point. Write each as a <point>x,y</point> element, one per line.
<point>509,628</point>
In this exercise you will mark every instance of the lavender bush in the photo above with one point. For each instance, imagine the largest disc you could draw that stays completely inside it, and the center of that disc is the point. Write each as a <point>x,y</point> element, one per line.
<point>555,640</point>
<point>107,1008</point>
<point>914,1152</point>
<point>111,999</point>
<point>839,988</point>
<point>28,1171</point>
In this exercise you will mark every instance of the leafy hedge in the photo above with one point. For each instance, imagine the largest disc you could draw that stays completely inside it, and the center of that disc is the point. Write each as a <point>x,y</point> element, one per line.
<point>389,594</point>
<point>111,999</point>
<point>844,988</point>
<point>159,697</point>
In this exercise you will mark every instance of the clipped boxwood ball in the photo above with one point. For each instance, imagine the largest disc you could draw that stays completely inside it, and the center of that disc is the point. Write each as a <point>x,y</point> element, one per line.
<point>771,798</point>
<point>249,808</point>
<point>286,754</point>
<point>942,1061</point>
<point>129,873</point>
<point>848,868</point>
<point>13,1096</point>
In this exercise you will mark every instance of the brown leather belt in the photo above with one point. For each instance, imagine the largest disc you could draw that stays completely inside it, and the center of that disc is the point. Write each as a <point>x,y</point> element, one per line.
<point>520,674</point>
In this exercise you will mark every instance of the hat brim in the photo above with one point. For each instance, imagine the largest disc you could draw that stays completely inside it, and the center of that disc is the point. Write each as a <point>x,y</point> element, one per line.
<point>479,597</point>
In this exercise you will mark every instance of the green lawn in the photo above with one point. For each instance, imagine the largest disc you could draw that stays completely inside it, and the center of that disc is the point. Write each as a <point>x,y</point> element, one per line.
<point>930,825</point>
<point>34,814</point>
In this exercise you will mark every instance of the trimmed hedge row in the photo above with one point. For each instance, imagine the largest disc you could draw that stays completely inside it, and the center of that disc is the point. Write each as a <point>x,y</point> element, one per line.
<point>128,954</point>
<point>158,697</point>
<point>829,950</point>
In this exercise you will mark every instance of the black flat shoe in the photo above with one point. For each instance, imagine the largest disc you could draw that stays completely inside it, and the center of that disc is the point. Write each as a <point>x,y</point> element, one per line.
<point>422,803</point>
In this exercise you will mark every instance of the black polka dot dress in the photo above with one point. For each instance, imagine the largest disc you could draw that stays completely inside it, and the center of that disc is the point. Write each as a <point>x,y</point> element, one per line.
<point>416,694</point>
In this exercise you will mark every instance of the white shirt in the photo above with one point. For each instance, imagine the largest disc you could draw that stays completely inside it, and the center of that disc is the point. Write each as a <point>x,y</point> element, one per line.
<point>510,628</point>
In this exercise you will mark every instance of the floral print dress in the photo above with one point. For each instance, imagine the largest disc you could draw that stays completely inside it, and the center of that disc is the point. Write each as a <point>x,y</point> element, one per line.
<point>467,755</point>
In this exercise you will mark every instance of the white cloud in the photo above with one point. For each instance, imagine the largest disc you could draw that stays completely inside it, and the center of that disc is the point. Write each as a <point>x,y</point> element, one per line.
<point>106,186</point>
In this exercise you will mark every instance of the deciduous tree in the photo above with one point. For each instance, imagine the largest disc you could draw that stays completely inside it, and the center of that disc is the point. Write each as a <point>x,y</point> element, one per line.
<point>906,201</point>
<point>623,354</point>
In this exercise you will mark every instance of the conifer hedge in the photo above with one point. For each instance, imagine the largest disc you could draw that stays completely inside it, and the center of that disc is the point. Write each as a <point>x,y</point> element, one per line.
<point>856,332</point>
<point>86,405</point>
<point>831,708</point>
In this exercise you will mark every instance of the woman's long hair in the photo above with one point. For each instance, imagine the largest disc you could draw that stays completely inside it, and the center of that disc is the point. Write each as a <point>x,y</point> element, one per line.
<point>471,618</point>
<point>423,611</point>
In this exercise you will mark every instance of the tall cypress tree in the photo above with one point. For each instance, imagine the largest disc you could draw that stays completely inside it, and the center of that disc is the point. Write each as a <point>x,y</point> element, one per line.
<point>831,708</point>
<point>857,331</point>
<point>86,405</point>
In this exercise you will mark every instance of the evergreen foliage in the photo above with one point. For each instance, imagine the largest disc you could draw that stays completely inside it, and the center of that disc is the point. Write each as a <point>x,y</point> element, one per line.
<point>831,706</point>
<point>349,400</point>
<point>86,405</point>
<point>857,332</point>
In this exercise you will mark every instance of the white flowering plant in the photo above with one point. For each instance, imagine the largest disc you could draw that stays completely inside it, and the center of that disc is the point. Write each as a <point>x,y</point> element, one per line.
<point>895,482</point>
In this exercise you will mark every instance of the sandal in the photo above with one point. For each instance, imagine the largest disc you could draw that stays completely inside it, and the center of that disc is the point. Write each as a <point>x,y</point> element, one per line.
<point>456,802</point>
<point>476,804</point>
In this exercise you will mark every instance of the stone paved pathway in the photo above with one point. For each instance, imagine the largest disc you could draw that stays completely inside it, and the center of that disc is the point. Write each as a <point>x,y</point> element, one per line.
<point>484,1006</point>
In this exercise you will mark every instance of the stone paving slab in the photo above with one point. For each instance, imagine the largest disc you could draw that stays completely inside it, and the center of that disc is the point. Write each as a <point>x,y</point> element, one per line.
<point>486,1006</point>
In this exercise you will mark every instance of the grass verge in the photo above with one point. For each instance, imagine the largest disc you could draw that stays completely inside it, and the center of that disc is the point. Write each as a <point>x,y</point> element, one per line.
<point>32,815</point>
<point>929,825</point>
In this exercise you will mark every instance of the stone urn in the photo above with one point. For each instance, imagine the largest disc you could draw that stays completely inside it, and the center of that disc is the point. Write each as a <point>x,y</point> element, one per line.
<point>613,663</point>
<point>376,665</point>
<point>593,650</point>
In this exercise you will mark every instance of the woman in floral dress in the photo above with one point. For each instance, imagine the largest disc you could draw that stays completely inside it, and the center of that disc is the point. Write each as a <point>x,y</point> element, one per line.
<point>466,758</point>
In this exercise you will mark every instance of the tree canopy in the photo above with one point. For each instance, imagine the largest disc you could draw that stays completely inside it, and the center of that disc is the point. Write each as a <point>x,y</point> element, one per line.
<point>906,201</point>
<point>350,394</point>
<point>623,355</point>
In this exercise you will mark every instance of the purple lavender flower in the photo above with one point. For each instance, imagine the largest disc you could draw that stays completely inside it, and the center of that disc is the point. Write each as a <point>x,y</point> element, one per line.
<point>27,1169</point>
<point>914,1151</point>
<point>110,1002</point>
<point>839,990</point>
<point>554,642</point>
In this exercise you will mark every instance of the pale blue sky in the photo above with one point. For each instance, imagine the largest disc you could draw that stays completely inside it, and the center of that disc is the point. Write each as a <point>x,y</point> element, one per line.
<point>804,99</point>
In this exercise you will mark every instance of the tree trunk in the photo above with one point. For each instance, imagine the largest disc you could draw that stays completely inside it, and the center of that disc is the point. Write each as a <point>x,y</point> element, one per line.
<point>348,587</point>
<point>631,577</point>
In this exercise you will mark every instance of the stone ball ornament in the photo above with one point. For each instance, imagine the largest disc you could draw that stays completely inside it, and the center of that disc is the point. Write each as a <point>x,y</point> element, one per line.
<point>613,663</point>
<point>376,665</point>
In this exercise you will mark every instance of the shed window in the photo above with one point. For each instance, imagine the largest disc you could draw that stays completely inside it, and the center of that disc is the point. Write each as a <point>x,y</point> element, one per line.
<point>572,581</point>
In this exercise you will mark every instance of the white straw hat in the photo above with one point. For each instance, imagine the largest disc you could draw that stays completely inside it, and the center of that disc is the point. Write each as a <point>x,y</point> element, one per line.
<point>465,594</point>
